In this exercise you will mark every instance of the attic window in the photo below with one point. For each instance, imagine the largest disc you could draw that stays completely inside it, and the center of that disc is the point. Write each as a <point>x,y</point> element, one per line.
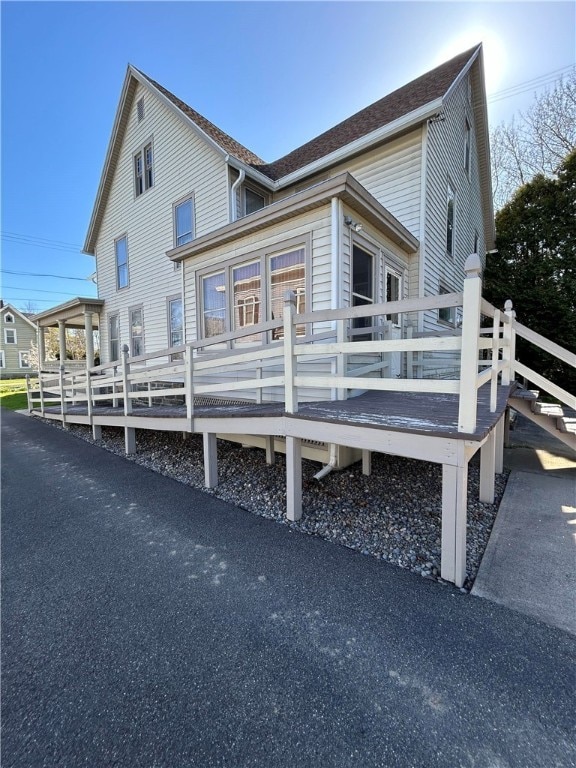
<point>143,169</point>
<point>8,318</point>
<point>140,109</point>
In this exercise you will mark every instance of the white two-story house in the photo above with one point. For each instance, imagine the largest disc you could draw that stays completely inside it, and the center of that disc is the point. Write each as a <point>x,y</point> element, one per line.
<point>193,234</point>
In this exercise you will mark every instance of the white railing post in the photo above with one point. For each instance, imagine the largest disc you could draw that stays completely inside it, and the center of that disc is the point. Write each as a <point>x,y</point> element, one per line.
<point>509,341</point>
<point>470,336</point>
<point>495,348</point>
<point>341,358</point>
<point>88,393</point>
<point>62,395</point>
<point>28,393</point>
<point>41,386</point>
<point>189,384</point>
<point>125,382</point>
<point>290,391</point>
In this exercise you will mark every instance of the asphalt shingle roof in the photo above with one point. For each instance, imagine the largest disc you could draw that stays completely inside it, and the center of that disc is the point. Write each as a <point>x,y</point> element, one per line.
<point>424,89</point>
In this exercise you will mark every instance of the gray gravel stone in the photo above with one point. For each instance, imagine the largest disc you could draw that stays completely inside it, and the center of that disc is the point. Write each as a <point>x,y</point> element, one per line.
<point>394,514</point>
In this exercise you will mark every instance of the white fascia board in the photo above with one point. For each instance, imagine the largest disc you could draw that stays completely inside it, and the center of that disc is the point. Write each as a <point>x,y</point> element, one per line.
<point>113,136</point>
<point>182,115</point>
<point>463,72</point>
<point>14,311</point>
<point>387,131</point>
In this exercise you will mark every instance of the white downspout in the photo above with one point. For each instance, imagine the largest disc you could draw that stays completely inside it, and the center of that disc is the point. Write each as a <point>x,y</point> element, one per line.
<point>233,188</point>
<point>332,462</point>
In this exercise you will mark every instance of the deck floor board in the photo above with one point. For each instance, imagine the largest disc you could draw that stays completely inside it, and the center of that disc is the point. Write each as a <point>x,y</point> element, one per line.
<point>415,412</point>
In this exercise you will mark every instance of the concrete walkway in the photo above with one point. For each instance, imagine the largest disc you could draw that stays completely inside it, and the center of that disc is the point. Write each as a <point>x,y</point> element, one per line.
<point>530,562</point>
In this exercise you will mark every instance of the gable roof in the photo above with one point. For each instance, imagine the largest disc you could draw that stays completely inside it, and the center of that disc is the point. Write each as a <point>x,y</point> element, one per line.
<point>407,106</point>
<point>26,316</point>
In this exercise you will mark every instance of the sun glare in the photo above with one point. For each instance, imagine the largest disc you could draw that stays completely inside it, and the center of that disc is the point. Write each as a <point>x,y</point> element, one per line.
<point>495,58</point>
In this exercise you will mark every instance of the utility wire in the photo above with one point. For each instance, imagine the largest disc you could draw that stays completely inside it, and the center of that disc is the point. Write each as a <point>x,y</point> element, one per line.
<point>47,240</point>
<point>37,290</point>
<point>38,274</point>
<point>528,85</point>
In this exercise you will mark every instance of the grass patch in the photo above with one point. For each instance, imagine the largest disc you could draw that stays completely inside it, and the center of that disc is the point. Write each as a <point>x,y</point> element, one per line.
<point>13,394</point>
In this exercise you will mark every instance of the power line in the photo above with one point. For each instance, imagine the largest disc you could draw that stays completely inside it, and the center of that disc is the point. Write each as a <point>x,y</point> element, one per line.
<point>38,274</point>
<point>37,290</point>
<point>39,239</point>
<point>527,85</point>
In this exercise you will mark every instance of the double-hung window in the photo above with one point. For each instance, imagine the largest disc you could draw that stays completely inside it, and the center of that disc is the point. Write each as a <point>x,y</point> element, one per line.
<point>10,336</point>
<point>143,169</point>
<point>393,287</point>
<point>183,222</point>
<point>24,359</point>
<point>175,326</point>
<point>249,292</point>
<point>121,250</point>
<point>2,359</point>
<point>137,331</point>
<point>114,337</point>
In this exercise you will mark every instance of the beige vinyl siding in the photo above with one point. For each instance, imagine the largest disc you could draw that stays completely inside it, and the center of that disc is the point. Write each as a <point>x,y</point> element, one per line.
<point>391,173</point>
<point>184,164</point>
<point>445,162</point>
<point>25,335</point>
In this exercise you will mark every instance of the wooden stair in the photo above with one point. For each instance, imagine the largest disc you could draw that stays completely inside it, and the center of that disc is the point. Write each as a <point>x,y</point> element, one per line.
<point>550,417</point>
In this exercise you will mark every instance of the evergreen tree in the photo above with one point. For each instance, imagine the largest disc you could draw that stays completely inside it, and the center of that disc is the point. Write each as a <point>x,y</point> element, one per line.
<point>536,267</point>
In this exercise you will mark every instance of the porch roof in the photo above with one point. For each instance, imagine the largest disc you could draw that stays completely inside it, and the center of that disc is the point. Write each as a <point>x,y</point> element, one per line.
<point>344,186</point>
<point>71,312</point>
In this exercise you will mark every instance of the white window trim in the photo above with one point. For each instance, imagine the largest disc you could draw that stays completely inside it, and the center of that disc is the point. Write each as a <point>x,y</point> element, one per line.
<point>450,320</point>
<point>175,205</point>
<point>20,353</point>
<point>6,332</point>
<point>141,153</point>
<point>110,318</point>
<point>256,191</point>
<point>2,359</point>
<point>169,300</point>
<point>9,318</point>
<point>467,147</point>
<point>263,255</point>
<point>116,241</point>
<point>136,308</point>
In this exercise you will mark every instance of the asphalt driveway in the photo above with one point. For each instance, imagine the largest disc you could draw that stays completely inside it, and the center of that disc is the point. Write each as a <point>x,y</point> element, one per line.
<point>148,624</point>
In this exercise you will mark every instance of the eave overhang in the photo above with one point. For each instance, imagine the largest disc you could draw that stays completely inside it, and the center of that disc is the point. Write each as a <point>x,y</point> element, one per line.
<point>343,186</point>
<point>71,312</point>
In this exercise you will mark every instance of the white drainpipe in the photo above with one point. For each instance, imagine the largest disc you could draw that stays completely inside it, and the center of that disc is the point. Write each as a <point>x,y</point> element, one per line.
<point>332,462</point>
<point>233,188</point>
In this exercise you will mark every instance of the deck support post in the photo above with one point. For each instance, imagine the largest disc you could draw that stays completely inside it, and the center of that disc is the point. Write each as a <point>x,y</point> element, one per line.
<point>499,447</point>
<point>28,394</point>
<point>189,383</point>
<point>293,478</point>
<point>96,432</point>
<point>366,462</point>
<point>454,507</point>
<point>487,469</point>
<point>270,455</point>
<point>129,440</point>
<point>210,460</point>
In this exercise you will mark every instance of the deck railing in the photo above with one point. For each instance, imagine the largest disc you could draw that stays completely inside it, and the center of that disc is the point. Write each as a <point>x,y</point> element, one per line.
<point>332,352</point>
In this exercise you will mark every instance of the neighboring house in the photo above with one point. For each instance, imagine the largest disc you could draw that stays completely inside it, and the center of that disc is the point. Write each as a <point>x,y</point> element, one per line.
<point>388,204</point>
<point>17,332</point>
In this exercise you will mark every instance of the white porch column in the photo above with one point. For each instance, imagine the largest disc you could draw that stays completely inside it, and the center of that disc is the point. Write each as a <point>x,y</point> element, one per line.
<point>62,341</point>
<point>89,330</point>
<point>41,347</point>
<point>487,468</point>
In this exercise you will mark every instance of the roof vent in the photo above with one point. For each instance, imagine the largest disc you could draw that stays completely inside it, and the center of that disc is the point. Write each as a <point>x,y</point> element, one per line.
<point>140,109</point>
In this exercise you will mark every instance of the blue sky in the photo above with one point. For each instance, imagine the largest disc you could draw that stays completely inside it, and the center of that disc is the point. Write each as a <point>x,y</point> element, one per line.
<point>271,74</point>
